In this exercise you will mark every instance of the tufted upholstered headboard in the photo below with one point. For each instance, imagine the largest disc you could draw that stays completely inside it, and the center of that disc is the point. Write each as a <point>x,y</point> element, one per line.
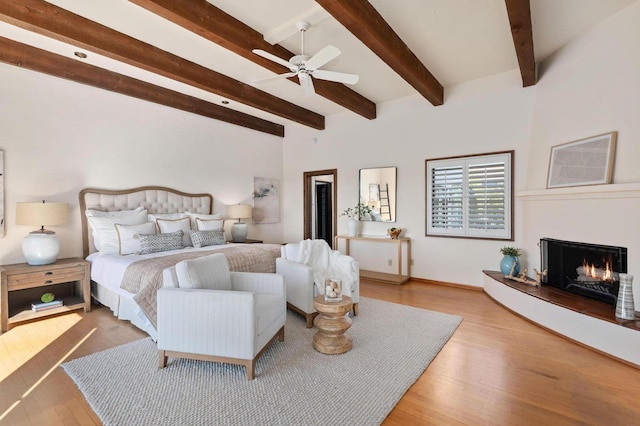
<point>156,199</point>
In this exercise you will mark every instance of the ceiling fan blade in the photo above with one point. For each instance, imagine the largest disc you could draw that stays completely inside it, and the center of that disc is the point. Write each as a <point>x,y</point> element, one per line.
<point>273,58</point>
<point>275,77</point>
<point>339,77</point>
<point>307,84</point>
<point>322,57</point>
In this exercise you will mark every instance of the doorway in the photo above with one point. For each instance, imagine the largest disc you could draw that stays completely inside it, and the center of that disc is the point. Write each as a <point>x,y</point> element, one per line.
<point>320,213</point>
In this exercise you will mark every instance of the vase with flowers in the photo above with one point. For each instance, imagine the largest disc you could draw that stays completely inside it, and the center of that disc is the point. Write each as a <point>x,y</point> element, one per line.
<point>510,263</point>
<point>354,214</point>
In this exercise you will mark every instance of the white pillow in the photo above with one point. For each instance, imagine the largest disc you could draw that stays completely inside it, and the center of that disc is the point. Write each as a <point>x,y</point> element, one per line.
<point>210,272</point>
<point>129,236</point>
<point>167,226</point>
<point>105,237</point>
<point>209,225</point>
<point>202,216</point>
<point>154,216</point>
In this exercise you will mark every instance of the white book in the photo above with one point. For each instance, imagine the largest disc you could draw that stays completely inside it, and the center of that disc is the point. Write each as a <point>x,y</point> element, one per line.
<point>39,306</point>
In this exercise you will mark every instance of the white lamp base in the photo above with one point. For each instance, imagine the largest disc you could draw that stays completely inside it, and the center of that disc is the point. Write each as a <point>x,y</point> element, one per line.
<point>239,232</point>
<point>41,248</point>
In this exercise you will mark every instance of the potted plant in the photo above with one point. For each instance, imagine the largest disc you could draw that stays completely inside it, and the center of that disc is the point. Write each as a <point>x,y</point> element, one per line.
<point>394,232</point>
<point>510,263</point>
<point>354,214</point>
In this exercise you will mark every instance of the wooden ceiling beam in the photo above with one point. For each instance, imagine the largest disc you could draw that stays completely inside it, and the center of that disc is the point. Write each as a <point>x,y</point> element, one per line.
<point>49,20</point>
<point>364,22</point>
<point>206,20</point>
<point>32,58</point>
<point>519,12</point>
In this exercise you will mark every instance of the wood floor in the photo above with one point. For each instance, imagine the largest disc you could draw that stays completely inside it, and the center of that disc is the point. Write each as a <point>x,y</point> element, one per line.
<point>497,369</point>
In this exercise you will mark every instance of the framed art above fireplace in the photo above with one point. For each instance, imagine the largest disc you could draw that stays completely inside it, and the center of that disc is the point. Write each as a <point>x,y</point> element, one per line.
<point>584,162</point>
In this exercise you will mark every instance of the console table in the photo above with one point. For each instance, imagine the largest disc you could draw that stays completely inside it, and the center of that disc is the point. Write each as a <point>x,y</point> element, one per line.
<point>397,278</point>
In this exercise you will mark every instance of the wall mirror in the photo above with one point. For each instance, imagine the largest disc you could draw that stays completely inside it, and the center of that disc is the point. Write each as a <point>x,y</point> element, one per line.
<point>378,191</point>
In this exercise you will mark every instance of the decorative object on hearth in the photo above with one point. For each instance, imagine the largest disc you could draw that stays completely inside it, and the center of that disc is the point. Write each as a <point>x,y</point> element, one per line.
<point>41,247</point>
<point>523,278</point>
<point>539,276</point>
<point>239,229</point>
<point>584,162</point>
<point>333,290</point>
<point>394,233</point>
<point>355,214</point>
<point>624,305</point>
<point>510,264</point>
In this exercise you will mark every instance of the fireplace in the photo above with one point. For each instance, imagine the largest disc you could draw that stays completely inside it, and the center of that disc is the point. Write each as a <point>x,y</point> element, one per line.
<point>588,269</point>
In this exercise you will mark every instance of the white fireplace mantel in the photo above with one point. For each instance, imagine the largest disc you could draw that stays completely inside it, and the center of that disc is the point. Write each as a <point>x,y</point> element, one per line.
<point>617,190</point>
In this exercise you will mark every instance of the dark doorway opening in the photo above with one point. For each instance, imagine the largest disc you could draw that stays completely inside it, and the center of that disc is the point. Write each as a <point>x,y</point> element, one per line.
<point>324,212</point>
<point>320,195</point>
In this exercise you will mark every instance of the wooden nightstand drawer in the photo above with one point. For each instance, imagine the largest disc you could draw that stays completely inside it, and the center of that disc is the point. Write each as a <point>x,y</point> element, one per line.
<point>40,278</point>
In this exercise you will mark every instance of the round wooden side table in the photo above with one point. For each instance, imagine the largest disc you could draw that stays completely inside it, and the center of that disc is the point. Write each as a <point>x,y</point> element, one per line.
<point>332,322</point>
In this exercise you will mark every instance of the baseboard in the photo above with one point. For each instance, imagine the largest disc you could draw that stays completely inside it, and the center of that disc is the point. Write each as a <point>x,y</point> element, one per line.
<point>447,284</point>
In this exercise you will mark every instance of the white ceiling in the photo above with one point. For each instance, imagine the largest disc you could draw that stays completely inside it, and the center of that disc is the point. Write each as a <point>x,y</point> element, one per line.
<point>457,40</point>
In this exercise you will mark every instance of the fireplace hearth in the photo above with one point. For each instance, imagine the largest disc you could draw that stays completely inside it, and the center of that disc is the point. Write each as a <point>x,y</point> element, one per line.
<point>583,268</point>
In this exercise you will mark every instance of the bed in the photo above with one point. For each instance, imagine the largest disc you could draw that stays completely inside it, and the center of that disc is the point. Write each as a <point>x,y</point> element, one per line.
<point>135,255</point>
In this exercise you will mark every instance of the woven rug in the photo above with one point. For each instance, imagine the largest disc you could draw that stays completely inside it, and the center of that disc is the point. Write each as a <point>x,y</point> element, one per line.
<point>294,385</point>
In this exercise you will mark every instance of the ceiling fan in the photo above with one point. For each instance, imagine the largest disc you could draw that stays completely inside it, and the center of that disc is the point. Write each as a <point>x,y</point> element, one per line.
<point>308,67</point>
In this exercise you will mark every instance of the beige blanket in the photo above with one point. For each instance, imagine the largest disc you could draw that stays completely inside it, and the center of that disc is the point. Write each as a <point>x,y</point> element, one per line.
<point>144,277</point>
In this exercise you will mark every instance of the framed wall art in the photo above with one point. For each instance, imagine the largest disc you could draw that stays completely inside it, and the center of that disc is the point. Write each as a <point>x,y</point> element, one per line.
<point>266,200</point>
<point>583,162</point>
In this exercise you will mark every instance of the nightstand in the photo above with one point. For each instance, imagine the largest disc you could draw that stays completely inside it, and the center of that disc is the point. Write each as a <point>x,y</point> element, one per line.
<point>22,284</point>
<point>248,241</point>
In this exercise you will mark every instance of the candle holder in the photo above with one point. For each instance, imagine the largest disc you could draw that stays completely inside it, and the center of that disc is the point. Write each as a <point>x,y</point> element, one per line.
<point>333,290</point>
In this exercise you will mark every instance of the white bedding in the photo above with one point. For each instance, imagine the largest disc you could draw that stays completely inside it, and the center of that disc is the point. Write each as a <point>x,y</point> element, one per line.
<point>107,272</point>
<point>108,269</point>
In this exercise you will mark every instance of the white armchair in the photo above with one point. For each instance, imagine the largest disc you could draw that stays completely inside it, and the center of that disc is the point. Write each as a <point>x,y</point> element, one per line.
<point>300,278</point>
<point>207,312</point>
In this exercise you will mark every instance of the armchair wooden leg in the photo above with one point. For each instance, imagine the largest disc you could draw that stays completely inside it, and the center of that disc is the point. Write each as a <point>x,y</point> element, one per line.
<point>281,335</point>
<point>250,366</point>
<point>162,358</point>
<point>355,309</point>
<point>310,318</point>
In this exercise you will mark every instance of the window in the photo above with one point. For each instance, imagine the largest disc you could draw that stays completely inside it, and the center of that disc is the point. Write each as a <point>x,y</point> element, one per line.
<point>470,196</point>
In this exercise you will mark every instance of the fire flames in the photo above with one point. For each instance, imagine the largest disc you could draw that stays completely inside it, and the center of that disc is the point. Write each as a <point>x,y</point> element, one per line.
<point>591,271</point>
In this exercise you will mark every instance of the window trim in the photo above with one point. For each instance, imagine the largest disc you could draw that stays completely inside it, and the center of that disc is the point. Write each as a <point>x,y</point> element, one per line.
<point>456,160</point>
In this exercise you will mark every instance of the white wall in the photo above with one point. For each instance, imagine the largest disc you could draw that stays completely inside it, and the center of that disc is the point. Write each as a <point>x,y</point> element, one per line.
<point>59,137</point>
<point>589,87</point>
<point>493,114</point>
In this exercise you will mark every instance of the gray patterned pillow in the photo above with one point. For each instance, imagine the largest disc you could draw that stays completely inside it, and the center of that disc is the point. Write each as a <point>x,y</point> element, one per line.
<point>153,243</point>
<point>207,238</point>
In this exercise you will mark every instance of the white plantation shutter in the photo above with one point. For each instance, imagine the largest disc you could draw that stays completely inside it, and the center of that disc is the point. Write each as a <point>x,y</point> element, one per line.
<point>470,196</point>
<point>447,194</point>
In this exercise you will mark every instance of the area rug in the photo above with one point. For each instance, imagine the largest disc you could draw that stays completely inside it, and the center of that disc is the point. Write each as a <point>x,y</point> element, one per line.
<point>294,385</point>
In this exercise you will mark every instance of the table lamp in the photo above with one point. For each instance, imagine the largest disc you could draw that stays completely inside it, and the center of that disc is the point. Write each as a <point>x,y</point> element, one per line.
<point>41,247</point>
<point>239,229</point>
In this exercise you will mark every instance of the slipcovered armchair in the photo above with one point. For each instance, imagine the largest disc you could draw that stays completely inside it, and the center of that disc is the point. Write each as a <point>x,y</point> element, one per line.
<point>208,313</point>
<point>305,266</point>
